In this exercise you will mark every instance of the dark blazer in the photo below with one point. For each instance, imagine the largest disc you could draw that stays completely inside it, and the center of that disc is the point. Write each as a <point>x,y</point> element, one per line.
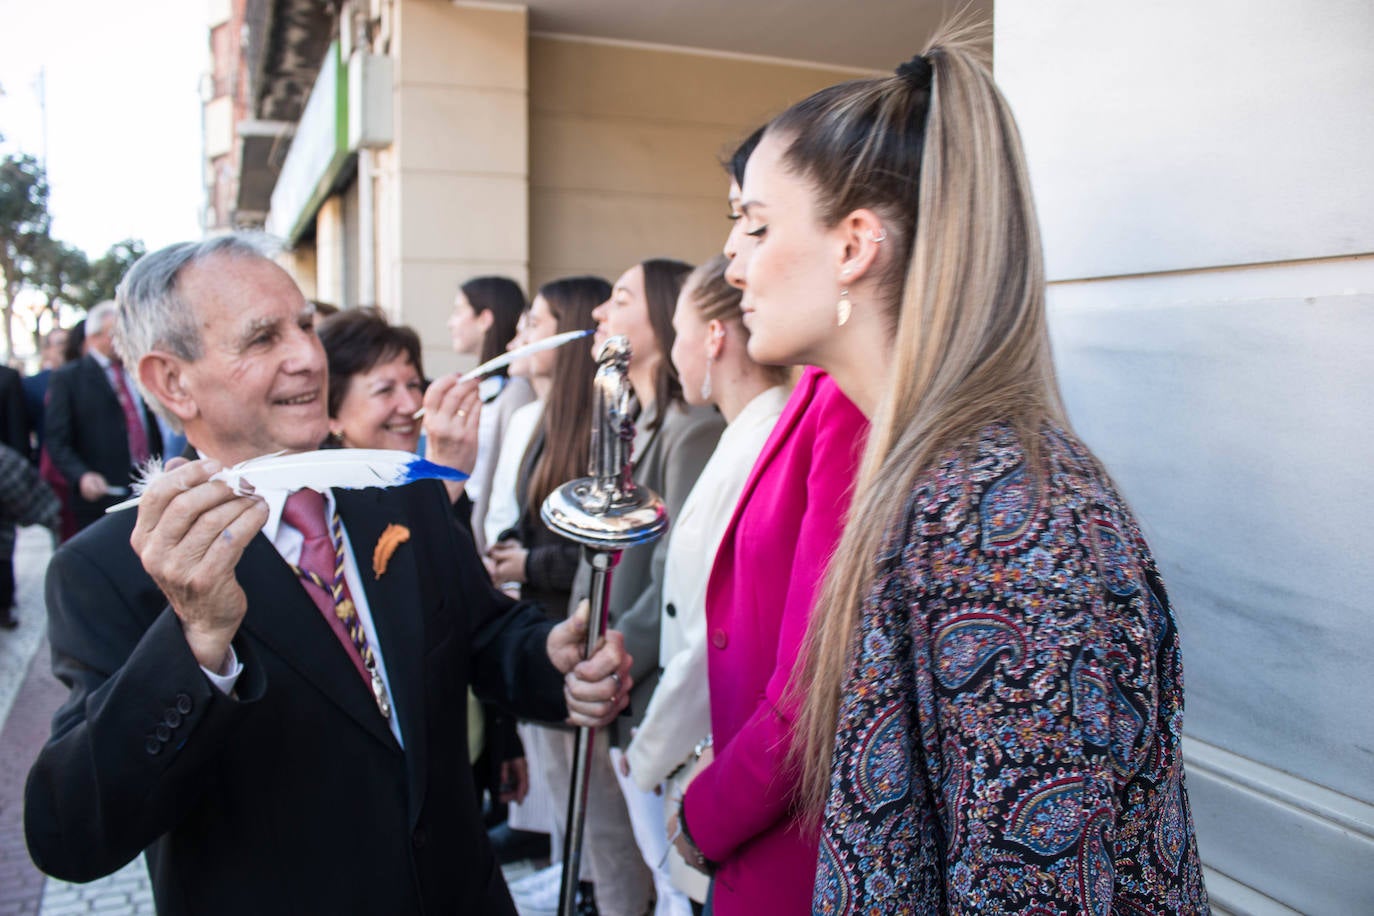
<point>552,560</point>
<point>86,432</point>
<point>291,796</point>
<point>14,414</point>
<point>35,389</point>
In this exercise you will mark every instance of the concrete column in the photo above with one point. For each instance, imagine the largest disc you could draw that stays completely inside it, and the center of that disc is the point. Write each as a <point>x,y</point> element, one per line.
<point>331,251</point>
<point>1206,188</point>
<point>452,196</point>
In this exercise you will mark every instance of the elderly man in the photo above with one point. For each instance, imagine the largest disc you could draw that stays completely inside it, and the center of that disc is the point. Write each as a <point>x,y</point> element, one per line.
<point>98,430</point>
<point>221,716</point>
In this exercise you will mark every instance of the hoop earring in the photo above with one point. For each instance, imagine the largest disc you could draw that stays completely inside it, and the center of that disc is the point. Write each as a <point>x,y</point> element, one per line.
<point>843,309</point>
<point>706,382</point>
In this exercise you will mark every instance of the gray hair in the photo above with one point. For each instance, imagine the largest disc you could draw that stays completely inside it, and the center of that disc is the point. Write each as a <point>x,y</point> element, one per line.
<point>152,313</point>
<point>100,316</point>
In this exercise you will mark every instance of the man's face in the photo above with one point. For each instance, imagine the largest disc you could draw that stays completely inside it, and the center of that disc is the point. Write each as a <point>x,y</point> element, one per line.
<point>102,340</point>
<point>259,385</point>
<point>53,347</point>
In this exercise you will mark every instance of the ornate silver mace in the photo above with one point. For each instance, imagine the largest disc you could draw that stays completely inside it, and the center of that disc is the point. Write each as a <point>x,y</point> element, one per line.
<point>605,513</point>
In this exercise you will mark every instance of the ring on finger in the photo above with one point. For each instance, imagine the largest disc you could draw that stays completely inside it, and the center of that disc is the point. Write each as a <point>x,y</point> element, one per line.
<point>615,676</point>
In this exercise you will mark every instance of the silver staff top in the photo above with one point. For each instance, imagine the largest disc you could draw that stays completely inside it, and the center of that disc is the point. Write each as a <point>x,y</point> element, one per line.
<point>613,426</point>
<point>608,510</point>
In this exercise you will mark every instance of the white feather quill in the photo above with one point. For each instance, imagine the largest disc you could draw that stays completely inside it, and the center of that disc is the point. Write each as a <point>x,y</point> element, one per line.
<point>336,468</point>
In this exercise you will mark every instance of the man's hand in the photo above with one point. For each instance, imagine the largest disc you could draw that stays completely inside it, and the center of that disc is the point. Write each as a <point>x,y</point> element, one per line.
<point>93,486</point>
<point>598,688</point>
<point>190,534</point>
<point>508,561</point>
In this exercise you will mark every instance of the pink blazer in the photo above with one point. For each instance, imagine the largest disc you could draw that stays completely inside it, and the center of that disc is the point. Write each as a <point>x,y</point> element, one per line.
<point>762,588</point>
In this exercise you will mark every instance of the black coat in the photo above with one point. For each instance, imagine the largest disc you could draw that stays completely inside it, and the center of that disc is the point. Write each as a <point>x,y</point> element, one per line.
<point>292,796</point>
<point>14,414</point>
<point>86,432</point>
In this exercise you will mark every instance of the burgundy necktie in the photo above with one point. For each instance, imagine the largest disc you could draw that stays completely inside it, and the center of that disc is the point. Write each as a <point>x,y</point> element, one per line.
<point>138,439</point>
<point>304,511</point>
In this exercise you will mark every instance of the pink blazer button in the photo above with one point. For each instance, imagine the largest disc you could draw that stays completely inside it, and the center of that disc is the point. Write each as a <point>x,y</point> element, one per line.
<point>719,639</point>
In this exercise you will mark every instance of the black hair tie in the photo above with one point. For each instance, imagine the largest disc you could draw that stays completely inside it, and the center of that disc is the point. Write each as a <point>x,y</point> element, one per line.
<point>916,72</point>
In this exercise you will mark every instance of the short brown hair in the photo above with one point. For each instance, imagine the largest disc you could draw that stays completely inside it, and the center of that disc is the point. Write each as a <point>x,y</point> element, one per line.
<point>356,340</point>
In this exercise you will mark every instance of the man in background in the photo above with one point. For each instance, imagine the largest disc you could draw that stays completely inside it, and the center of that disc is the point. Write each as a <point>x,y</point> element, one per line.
<point>14,434</point>
<point>99,431</point>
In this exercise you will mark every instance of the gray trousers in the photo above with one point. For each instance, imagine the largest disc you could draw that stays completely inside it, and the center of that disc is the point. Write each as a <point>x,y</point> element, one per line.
<point>610,857</point>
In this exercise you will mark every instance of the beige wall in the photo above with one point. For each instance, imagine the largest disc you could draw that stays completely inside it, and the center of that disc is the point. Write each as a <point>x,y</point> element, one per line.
<point>624,146</point>
<point>453,188</point>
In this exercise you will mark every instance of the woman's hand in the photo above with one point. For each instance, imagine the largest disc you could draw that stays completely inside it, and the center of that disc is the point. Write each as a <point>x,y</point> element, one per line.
<point>684,845</point>
<point>452,412</point>
<point>508,561</point>
<point>515,780</point>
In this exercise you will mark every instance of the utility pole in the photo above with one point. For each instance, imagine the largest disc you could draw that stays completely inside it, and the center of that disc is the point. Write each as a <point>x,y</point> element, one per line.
<point>40,88</point>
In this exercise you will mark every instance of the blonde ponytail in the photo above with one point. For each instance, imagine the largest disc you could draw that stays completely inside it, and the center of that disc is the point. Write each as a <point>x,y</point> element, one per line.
<point>971,347</point>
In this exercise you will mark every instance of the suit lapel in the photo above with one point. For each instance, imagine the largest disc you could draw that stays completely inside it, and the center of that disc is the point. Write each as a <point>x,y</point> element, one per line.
<point>394,599</point>
<point>281,614</point>
<point>97,380</point>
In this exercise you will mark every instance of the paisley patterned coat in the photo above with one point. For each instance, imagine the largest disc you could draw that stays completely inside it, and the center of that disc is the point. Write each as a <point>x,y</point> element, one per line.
<point>1009,733</point>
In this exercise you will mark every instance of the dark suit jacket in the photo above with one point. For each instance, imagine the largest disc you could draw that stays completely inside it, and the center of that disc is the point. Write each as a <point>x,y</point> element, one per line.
<point>86,432</point>
<point>292,796</point>
<point>14,415</point>
<point>35,389</point>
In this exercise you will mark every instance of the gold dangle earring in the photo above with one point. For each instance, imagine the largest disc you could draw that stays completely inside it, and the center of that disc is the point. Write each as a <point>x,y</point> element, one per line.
<point>842,309</point>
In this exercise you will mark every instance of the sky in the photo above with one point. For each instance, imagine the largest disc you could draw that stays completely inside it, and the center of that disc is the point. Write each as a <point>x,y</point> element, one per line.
<point>123,113</point>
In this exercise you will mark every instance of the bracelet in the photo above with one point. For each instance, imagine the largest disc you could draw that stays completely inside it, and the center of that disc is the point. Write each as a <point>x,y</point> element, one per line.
<point>697,751</point>
<point>702,863</point>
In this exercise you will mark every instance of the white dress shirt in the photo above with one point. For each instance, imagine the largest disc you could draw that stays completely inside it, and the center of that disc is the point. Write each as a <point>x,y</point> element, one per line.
<point>289,542</point>
<point>503,509</point>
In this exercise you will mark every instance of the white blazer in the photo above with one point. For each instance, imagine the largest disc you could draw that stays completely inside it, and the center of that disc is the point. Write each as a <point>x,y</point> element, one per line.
<point>679,714</point>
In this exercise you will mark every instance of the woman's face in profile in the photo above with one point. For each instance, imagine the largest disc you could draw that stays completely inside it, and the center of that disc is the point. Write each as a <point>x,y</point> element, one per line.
<point>465,326</point>
<point>786,262</point>
<point>689,346</point>
<point>626,314</point>
<point>542,324</point>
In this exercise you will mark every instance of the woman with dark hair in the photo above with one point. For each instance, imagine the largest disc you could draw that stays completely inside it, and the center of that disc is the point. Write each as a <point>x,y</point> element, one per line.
<point>529,553</point>
<point>672,444</point>
<point>712,360</point>
<point>991,692</point>
<point>485,313</point>
<point>75,347</point>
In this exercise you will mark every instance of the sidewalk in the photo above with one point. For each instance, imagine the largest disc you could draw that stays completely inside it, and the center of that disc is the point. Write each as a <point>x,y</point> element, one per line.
<point>29,695</point>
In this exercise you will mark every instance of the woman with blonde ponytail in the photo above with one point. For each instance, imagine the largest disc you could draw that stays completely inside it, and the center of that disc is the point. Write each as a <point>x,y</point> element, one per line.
<point>991,687</point>
<point>738,819</point>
